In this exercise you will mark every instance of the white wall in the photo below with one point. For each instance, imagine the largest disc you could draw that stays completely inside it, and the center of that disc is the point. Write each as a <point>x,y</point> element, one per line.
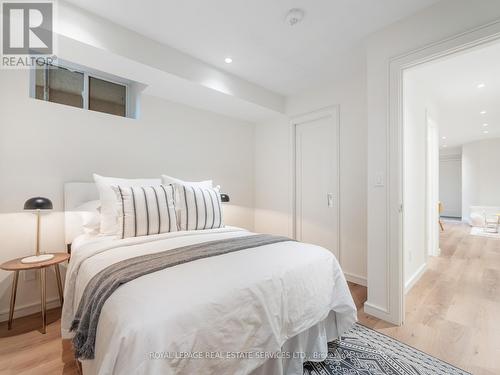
<point>273,169</point>
<point>480,175</point>
<point>450,183</point>
<point>445,19</point>
<point>415,179</point>
<point>272,177</point>
<point>43,145</point>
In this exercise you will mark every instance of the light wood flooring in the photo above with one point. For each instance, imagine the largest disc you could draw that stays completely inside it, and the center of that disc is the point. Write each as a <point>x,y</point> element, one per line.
<point>453,313</point>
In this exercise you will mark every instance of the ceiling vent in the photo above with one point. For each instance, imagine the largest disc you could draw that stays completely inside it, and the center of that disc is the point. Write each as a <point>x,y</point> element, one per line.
<point>294,16</point>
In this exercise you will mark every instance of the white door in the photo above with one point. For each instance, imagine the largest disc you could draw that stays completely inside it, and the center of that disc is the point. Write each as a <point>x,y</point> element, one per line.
<point>317,180</point>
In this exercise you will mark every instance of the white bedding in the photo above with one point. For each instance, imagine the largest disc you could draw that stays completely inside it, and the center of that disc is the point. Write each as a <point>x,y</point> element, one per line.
<point>251,301</point>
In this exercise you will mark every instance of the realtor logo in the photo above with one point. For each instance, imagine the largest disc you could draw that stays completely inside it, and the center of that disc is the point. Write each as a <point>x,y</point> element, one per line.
<point>27,28</point>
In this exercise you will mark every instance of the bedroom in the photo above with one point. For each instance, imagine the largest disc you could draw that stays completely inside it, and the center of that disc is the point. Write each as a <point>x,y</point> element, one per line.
<point>213,92</point>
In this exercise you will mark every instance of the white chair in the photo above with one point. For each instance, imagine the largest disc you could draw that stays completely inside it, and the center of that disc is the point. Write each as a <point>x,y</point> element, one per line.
<point>491,223</point>
<point>477,214</point>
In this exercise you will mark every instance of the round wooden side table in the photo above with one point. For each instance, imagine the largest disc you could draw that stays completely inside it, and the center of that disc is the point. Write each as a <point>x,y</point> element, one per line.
<point>16,266</point>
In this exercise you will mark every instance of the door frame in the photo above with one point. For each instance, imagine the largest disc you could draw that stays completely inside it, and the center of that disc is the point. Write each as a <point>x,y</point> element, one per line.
<point>332,111</point>
<point>395,252</point>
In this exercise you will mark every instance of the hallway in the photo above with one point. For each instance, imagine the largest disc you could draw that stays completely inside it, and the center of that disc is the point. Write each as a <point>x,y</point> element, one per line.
<point>453,312</point>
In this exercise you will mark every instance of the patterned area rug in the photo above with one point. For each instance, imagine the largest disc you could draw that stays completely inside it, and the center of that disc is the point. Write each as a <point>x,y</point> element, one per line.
<point>363,351</point>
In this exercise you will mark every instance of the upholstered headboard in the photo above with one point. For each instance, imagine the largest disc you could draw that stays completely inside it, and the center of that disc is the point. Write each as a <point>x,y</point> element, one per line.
<point>75,194</point>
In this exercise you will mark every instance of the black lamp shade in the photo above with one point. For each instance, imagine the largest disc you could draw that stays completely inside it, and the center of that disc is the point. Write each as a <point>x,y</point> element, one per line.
<point>38,203</point>
<point>224,198</point>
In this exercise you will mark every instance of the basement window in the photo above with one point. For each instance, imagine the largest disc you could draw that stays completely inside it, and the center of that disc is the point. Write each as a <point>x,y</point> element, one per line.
<point>107,97</point>
<point>81,88</point>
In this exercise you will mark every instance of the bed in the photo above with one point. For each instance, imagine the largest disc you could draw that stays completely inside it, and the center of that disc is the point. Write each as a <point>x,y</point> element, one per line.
<point>263,310</point>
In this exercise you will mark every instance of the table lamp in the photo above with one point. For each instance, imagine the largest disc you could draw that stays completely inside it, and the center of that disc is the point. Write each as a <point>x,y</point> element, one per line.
<point>37,204</point>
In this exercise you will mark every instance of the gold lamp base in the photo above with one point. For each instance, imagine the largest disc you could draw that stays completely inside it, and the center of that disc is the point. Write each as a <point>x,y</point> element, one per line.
<point>37,258</point>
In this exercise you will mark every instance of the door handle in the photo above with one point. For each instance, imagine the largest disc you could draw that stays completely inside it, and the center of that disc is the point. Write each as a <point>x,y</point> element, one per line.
<point>329,198</point>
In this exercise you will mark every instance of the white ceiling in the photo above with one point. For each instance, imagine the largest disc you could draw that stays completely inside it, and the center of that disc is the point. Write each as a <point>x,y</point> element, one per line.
<point>450,86</point>
<point>265,50</point>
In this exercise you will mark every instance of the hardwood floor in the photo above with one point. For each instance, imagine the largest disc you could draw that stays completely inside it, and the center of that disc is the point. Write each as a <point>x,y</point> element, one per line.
<point>24,350</point>
<point>452,313</point>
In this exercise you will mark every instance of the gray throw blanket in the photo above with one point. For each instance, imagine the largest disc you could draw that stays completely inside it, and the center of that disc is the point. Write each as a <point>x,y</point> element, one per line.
<point>103,284</point>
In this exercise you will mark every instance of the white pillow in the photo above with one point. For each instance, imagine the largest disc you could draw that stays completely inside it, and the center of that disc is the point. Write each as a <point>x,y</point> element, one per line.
<point>109,216</point>
<point>199,208</point>
<point>145,210</point>
<point>168,180</point>
<point>90,217</point>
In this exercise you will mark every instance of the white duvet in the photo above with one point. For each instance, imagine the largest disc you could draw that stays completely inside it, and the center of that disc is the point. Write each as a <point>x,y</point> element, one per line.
<point>219,315</point>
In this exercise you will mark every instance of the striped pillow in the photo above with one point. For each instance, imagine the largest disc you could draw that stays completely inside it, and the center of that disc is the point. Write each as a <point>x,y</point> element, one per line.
<point>199,208</point>
<point>145,210</point>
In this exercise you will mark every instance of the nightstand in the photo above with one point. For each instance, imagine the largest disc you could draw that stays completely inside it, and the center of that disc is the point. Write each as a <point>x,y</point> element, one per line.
<point>16,266</point>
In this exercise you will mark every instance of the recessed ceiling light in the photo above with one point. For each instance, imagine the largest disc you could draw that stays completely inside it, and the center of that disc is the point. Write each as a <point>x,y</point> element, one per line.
<point>483,112</point>
<point>480,85</point>
<point>443,137</point>
<point>444,146</point>
<point>228,60</point>
<point>485,131</point>
<point>485,125</point>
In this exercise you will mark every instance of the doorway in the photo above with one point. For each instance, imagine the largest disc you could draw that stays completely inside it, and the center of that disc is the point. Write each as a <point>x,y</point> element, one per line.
<point>392,264</point>
<point>450,183</point>
<point>451,127</point>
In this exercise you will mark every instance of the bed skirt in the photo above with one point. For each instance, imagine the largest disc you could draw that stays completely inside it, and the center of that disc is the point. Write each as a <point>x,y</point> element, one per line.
<point>310,345</point>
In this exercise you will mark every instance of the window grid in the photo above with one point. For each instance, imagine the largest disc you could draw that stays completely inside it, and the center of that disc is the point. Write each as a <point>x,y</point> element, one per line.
<point>85,92</point>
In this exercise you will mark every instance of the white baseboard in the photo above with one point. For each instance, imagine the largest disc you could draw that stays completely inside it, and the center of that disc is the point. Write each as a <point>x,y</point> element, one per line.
<point>416,276</point>
<point>378,312</point>
<point>28,309</point>
<point>434,253</point>
<point>356,279</point>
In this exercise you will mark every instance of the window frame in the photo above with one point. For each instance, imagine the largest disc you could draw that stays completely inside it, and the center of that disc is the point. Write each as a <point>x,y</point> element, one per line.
<point>87,73</point>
